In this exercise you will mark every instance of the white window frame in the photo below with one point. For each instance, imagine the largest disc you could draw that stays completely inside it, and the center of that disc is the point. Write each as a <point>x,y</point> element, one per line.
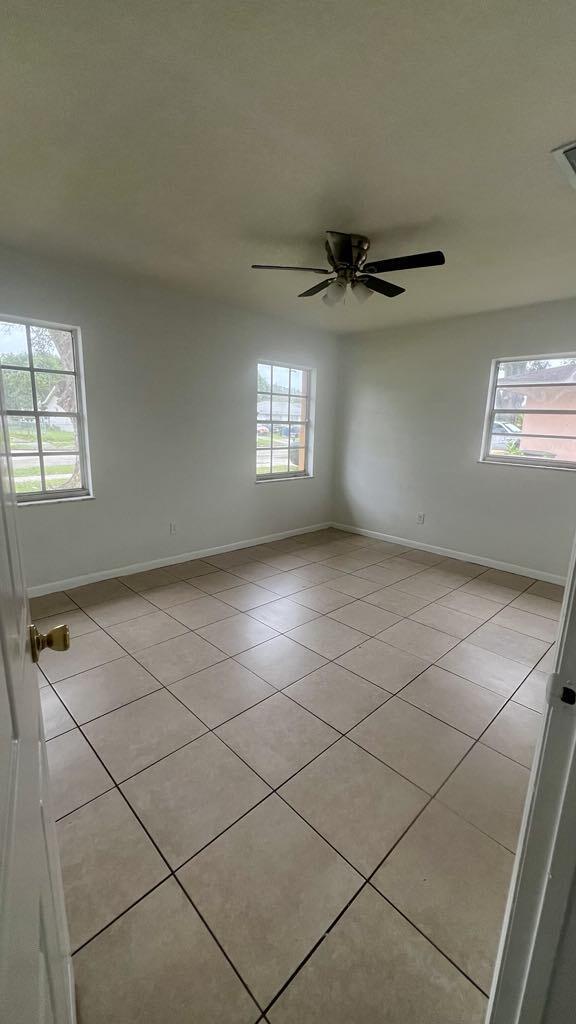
<point>44,495</point>
<point>514,460</point>
<point>308,422</point>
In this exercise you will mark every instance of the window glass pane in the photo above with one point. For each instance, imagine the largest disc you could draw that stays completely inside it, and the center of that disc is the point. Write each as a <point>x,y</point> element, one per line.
<point>281,379</point>
<point>263,462</point>
<point>546,397</point>
<point>62,472</point>
<point>55,392</point>
<point>263,406</point>
<point>52,349</point>
<point>263,435</point>
<point>558,424</point>
<point>22,433</point>
<point>554,449</point>
<point>13,344</point>
<point>264,377</point>
<point>298,382</point>
<point>298,435</point>
<point>59,433</point>
<point>297,460</point>
<point>279,408</point>
<point>280,461</point>
<point>17,389</point>
<point>297,408</point>
<point>26,471</point>
<point>547,371</point>
<point>280,435</point>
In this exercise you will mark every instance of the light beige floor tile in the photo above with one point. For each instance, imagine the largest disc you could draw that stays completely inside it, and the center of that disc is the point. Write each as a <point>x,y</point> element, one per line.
<point>85,652</point>
<point>485,668</point>
<point>451,881</point>
<point>354,561</point>
<point>415,638</point>
<point>552,591</point>
<point>548,661</point>
<point>490,591</point>
<point>283,614</point>
<point>217,581</point>
<point>470,604</point>
<point>119,609</point>
<point>108,862</point>
<point>326,637</point>
<point>317,572</point>
<point>382,575</point>
<point>173,594</point>
<point>382,664</point>
<point>189,570</point>
<point>237,634</point>
<point>421,586</point>
<point>454,700</point>
<point>40,677</point>
<point>174,659</point>
<point>337,696</point>
<point>532,693</point>
<point>528,624</point>
<point>285,562</point>
<point>77,621</point>
<point>135,736</point>
<point>269,888</point>
<point>55,718</point>
<point>466,570</point>
<point>189,797</point>
<point>246,597</point>
<point>254,571</point>
<point>448,620</point>
<point>366,617</point>
<point>283,584</point>
<point>357,803</point>
<point>155,963</point>
<point>322,599</point>
<point>372,967</point>
<point>146,631</point>
<point>105,688</point>
<point>408,566</point>
<point>222,691</point>
<point>535,605</point>
<point>142,581</point>
<point>515,733</point>
<point>99,592</point>
<point>51,604</point>
<point>416,745</point>
<point>201,611</point>
<point>76,774</point>
<point>425,557</point>
<point>277,737</point>
<point>507,579</point>
<point>228,560</point>
<point>488,790</point>
<point>353,586</point>
<point>394,600</point>
<point>509,643</point>
<point>280,661</point>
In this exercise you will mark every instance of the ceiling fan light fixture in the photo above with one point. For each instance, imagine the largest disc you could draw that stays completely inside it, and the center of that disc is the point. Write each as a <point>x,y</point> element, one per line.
<point>361,291</point>
<point>335,292</point>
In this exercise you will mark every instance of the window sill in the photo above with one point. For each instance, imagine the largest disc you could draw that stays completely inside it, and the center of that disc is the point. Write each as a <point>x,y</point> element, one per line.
<point>54,501</point>
<point>527,465</point>
<point>282,479</point>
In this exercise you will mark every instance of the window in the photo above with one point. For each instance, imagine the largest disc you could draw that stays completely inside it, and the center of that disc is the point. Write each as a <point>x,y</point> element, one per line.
<point>283,422</point>
<point>531,415</point>
<point>43,399</point>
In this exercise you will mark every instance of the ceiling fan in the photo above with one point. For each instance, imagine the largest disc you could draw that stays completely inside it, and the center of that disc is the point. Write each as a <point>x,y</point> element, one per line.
<point>347,256</point>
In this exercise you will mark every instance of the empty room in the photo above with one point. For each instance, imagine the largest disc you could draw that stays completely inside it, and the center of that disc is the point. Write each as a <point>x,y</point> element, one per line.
<point>288,410</point>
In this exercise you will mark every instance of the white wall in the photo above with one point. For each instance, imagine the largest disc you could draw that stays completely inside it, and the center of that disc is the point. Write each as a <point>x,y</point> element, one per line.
<point>170,382</point>
<point>412,410</point>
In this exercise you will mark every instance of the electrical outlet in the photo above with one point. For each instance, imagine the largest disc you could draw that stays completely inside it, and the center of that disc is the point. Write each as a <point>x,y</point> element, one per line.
<point>420,517</point>
<point>172,529</point>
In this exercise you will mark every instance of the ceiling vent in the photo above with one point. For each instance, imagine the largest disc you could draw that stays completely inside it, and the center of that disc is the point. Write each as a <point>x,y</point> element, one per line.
<point>565,156</point>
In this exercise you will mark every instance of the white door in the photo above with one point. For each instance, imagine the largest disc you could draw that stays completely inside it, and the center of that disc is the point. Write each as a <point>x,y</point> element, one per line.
<point>534,978</point>
<point>36,983</point>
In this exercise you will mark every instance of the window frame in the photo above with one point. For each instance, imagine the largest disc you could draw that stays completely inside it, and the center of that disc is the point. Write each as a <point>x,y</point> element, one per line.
<point>307,422</point>
<point>46,496</point>
<point>490,413</point>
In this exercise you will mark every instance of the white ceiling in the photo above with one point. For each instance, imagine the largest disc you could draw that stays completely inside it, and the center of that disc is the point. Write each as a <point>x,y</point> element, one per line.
<point>190,138</point>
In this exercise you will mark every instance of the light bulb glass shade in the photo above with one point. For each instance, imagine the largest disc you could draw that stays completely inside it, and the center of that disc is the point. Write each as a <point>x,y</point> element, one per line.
<point>361,291</point>
<point>335,292</point>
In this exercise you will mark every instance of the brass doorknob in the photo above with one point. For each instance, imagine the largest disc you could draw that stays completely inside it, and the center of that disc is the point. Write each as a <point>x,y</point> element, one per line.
<point>57,639</point>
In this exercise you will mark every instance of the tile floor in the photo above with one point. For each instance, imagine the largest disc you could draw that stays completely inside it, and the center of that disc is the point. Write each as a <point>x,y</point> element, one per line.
<point>289,779</point>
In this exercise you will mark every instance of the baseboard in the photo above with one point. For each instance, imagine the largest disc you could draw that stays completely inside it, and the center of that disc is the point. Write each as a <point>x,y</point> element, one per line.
<point>521,570</point>
<point>157,563</point>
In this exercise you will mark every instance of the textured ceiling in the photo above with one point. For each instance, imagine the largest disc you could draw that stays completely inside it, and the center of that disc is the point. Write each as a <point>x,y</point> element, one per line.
<point>190,139</point>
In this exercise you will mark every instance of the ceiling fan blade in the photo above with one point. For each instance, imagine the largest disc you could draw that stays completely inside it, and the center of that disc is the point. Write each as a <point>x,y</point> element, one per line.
<point>316,288</point>
<point>308,270</point>
<point>418,259</point>
<point>383,287</point>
